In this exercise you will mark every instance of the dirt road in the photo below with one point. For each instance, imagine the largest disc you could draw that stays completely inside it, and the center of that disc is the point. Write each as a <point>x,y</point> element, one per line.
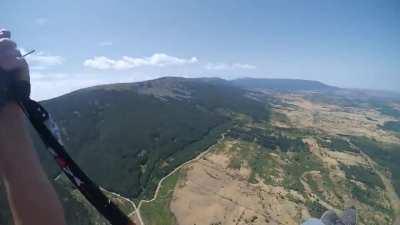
<point>137,211</point>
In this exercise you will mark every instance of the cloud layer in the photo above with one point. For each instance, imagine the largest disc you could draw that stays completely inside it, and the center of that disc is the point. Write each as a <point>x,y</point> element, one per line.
<point>232,66</point>
<point>41,60</point>
<point>157,59</point>
<point>45,60</point>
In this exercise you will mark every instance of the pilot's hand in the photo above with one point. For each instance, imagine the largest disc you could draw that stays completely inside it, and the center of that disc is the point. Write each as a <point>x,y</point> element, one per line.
<point>14,87</point>
<point>14,70</point>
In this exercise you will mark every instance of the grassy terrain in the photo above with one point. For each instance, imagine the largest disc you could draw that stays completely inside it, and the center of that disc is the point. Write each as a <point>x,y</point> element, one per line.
<point>299,164</point>
<point>358,100</point>
<point>363,174</point>
<point>257,144</point>
<point>386,155</point>
<point>370,191</point>
<point>261,163</point>
<point>183,155</point>
<point>270,139</point>
<point>385,108</point>
<point>334,99</point>
<point>336,144</point>
<point>276,156</point>
<point>157,212</point>
<point>392,126</point>
<point>369,196</point>
<point>270,169</point>
<point>255,148</point>
<point>315,208</point>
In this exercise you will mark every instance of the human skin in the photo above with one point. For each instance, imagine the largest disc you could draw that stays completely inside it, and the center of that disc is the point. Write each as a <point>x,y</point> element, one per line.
<point>32,198</point>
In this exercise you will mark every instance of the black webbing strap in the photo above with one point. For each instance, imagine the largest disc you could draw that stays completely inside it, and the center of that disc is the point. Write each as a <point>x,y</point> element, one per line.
<point>38,116</point>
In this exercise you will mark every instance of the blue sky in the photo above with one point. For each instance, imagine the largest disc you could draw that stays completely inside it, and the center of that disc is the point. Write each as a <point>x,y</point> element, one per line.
<point>83,43</point>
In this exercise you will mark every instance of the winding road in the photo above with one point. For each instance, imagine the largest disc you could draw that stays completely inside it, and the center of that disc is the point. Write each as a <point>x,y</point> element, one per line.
<point>394,198</point>
<point>137,211</point>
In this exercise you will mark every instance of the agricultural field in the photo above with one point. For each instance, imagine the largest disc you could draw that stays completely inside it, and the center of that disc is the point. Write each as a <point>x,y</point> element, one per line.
<point>306,160</point>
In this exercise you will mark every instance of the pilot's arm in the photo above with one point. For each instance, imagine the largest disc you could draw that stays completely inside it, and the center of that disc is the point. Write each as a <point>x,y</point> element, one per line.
<point>31,197</point>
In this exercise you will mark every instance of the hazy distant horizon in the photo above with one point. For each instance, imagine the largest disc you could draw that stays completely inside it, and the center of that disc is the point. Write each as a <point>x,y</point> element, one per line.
<point>41,98</point>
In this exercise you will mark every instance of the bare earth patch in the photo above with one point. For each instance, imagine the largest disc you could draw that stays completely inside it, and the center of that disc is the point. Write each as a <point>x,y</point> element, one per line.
<point>336,120</point>
<point>214,194</point>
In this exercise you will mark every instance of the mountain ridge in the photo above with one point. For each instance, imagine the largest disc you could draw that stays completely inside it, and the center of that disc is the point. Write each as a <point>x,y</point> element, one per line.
<point>255,84</point>
<point>246,82</point>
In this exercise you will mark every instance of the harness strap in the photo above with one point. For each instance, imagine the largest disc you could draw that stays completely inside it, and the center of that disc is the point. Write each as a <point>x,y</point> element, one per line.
<point>50,135</point>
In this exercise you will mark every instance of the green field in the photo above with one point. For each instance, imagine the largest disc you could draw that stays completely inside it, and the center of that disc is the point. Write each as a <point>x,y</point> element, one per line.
<point>386,155</point>
<point>157,212</point>
<point>392,126</point>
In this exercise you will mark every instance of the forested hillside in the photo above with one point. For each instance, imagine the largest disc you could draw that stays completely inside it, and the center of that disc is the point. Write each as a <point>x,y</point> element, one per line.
<point>126,137</point>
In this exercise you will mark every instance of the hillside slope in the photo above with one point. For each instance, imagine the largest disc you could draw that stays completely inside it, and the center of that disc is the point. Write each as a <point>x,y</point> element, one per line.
<point>126,137</point>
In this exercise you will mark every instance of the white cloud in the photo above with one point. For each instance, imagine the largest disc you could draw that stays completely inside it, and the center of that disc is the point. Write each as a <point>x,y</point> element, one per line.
<point>41,21</point>
<point>47,76</point>
<point>244,66</point>
<point>232,66</point>
<point>216,66</point>
<point>46,84</point>
<point>41,60</point>
<point>105,43</point>
<point>45,60</point>
<point>157,59</point>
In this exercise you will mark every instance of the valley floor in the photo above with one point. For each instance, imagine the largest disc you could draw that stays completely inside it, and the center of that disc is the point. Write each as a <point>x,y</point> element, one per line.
<point>225,185</point>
